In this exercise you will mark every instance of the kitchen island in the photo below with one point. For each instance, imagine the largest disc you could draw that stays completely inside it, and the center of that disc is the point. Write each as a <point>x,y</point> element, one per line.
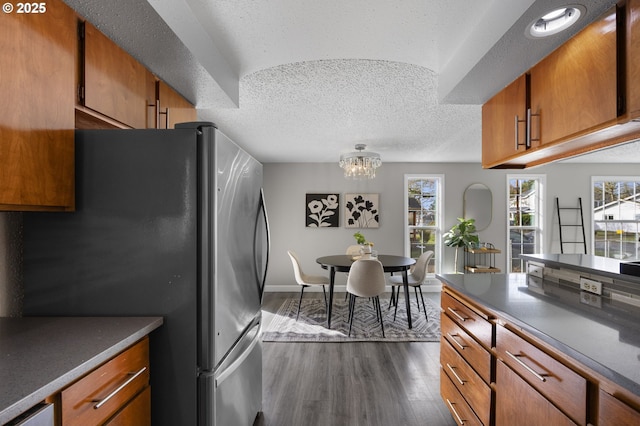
<point>570,351</point>
<point>40,356</point>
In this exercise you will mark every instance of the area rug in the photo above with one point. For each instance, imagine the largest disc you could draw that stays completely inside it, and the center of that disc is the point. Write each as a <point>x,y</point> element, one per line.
<point>312,324</point>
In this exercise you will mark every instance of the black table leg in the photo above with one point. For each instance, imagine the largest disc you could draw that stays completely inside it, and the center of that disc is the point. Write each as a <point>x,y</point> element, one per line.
<point>332,281</point>
<point>405,281</point>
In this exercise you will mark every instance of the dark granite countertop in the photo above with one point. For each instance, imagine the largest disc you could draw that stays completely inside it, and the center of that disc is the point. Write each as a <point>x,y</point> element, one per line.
<point>39,356</point>
<point>601,334</point>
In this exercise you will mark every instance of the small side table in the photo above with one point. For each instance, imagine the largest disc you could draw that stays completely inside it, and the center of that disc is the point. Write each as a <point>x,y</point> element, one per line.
<point>480,260</point>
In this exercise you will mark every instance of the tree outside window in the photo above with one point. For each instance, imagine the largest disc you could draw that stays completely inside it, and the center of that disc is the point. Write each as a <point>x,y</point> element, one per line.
<point>422,212</point>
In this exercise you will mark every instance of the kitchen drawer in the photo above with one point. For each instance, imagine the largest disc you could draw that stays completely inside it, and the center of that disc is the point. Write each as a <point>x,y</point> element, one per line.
<point>558,383</point>
<point>137,412</point>
<point>517,403</point>
<point>470,385</point>
<point>467,347</point>
<point>460,410</point>
<point>612,411</point>
<point>101,393</point>
<point>473,322</point>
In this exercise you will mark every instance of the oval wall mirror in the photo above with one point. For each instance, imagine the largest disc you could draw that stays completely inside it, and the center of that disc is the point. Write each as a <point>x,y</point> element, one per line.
<point>478,203</point>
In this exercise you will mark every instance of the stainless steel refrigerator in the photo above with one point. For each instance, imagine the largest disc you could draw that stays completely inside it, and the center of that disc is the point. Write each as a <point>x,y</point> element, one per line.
<point>168,223</point>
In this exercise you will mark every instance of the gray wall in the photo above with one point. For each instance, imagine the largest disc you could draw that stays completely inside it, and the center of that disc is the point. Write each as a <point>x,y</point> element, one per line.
<point>10,264</point>
<point>287,184</point>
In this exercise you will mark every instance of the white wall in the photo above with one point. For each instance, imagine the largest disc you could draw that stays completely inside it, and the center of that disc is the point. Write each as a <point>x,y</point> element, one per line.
<point>287,183</point>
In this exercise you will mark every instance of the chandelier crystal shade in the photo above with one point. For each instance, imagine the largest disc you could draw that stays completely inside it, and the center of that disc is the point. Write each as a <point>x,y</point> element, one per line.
<point>359,164</point>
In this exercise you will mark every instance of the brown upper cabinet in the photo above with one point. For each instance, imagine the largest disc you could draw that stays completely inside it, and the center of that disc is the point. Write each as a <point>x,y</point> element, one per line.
<point>633,59</point>
<point>580,98</point>
<point>37,56</point>
<point>116,91</point>
<point>574,89</point>
<point>114,88</point>
<point>172,108</point>
<point>504,123</point>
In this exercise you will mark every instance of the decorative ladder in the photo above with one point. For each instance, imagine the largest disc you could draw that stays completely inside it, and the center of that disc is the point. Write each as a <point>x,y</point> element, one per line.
<point>573,225</point>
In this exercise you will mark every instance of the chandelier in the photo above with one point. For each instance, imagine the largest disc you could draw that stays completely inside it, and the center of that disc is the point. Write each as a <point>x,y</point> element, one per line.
<point>359,164</point>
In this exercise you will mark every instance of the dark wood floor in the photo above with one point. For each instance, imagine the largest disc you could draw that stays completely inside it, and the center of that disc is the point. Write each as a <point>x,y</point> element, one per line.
<point>366,383</point>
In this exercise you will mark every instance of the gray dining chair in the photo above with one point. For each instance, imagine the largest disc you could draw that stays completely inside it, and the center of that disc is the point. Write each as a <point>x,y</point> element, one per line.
<point>415,278</point>
<point>366,279</point>
<point>305,280</point>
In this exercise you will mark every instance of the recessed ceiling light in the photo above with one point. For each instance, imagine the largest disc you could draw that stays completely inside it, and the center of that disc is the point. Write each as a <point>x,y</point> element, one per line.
<point>555,21</point>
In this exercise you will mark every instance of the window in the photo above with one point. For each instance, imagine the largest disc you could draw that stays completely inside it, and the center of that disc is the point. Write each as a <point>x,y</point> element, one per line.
<point>616,215</point>
<point>525,207</point>
<point>423,213</point>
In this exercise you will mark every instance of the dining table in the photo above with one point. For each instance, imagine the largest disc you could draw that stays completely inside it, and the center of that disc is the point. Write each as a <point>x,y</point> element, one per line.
<point>390,263</point>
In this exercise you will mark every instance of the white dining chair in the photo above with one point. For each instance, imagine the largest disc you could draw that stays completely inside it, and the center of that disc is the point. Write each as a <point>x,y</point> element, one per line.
<point>305,280</point>
<point>366,279</point>
<point>415,279</point>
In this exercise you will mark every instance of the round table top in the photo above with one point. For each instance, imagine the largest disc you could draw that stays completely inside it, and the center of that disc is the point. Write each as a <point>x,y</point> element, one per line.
<point>343,262</point>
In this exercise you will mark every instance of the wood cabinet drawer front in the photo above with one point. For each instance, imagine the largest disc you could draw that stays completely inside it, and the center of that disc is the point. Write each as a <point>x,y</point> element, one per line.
<point>517,403</point>
<point>467,347</point>
<point>474,390</point>
<point>558,383</point>
<point>137,412</point>
<point>612,411</point>
<point>476,325</point>
<point>99,394</point>
<point>460,410</point>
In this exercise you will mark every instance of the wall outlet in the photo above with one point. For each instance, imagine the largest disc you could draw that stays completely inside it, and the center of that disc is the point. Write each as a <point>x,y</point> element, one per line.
<point>590,285</point>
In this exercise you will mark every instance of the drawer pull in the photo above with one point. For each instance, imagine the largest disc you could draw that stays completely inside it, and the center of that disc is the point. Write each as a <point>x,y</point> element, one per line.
<point>457,315</point>
<point>525,366</point>
<point>460,345</point>
<point>451,404</point>
<point>100,403</point>
<point>455,375</point>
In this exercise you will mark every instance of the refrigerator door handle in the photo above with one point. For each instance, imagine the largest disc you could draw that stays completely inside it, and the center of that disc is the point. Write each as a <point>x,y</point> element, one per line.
<point>263,280</point>
<point>238,362</point>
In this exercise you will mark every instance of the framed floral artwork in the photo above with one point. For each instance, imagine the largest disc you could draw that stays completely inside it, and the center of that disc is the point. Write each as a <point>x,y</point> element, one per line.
<point>322,210</point>
<point>362,211</point>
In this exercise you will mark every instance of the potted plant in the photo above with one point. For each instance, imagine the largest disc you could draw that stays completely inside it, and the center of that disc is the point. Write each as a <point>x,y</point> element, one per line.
<point>462,234</point>
<point>364,244</point>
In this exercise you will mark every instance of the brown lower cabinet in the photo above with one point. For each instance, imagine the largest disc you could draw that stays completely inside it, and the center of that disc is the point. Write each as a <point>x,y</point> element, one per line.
<point>494,373</point>
<point>613,412</point>
<point>116,393</point>
<point>518,403</point>
<point>460,409</point>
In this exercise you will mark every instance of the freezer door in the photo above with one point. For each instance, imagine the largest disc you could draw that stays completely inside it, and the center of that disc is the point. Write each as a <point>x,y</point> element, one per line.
<point>232,395</point>
<point>233,293</point>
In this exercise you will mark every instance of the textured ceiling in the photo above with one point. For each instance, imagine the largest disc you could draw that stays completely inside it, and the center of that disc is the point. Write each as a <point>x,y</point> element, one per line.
<point>305,80</point>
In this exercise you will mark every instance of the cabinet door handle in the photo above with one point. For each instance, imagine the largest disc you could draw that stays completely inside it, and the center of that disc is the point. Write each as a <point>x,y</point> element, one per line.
<point>166,117</point>
<point>451,404</point>
<point>517,132</point>
<point>158,113</point>
<point>101,402</point>
<point>525,366</point>
<point>455,375</point>
<point>530,126</point>
<point>457,315</point>
<point>452,337</point>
